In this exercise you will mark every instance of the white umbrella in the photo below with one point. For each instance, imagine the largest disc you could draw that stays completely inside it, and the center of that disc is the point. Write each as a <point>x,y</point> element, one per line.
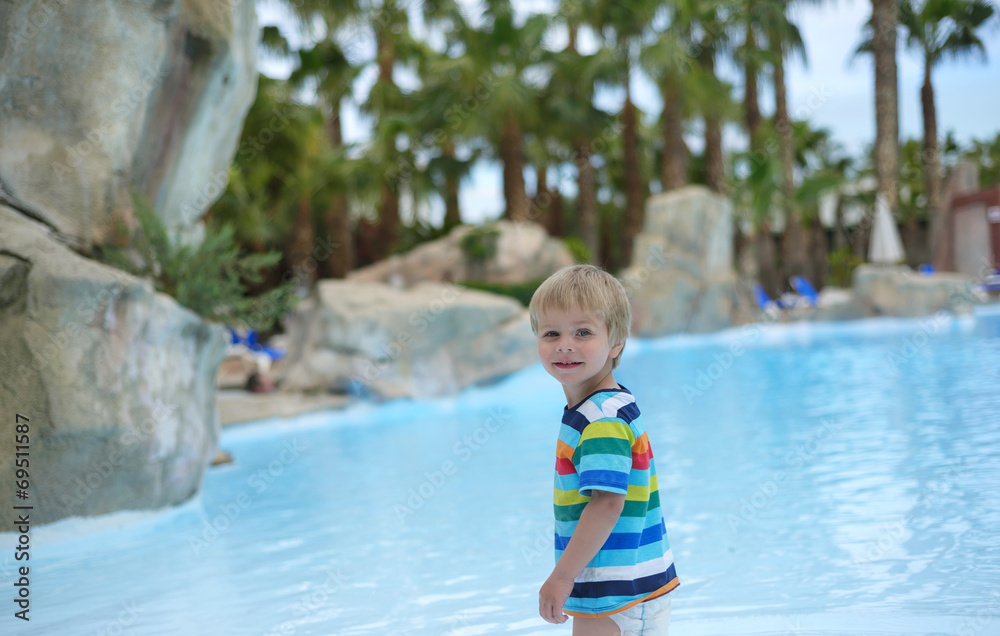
<point>884,245</point>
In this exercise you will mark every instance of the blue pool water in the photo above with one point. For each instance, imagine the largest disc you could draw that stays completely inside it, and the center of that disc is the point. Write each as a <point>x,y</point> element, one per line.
<point>816,479</point>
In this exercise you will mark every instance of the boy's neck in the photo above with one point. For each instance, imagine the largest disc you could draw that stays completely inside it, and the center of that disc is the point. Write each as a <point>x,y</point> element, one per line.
<point>575,394</point>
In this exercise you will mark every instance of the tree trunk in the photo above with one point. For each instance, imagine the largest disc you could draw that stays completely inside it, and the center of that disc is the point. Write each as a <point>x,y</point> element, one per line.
<point>303,237</point>
<point>767,268</point>
<point>606,259</point>
<point>932,168</point>
<point>911,241</point>
<point>336,219</point>
<point>819,249</point>
<point>586,197</point>
<point>452,213</point>
<point>556,224</point>
<point>839,235</point>
<point>794,245</point>
<point>673,173</point>
<point>886,111</point>
<point>714,169</point>
<point>388,221</point>
<point>514,193</point>
<point>337,222</point>
<point>541,206</point>
<point>633,180</point>
<point>367,239</point>
<point>751,97</point>
<point>389,196</point>
<point>715,173</point>
<point>859,238</point>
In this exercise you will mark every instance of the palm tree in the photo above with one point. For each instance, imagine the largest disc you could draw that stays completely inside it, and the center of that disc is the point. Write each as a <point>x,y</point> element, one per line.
<point>389,105</point>
<point>756,184</point>
<point>447,78</point>
<point>714,106</point>
<point>621,25</point>
<point>440,128</point>
<point>502,51</point>
<point>751,58</point>
<point>912,197</point>
<point>784,40</point>
<point>825,170</point>
<point>939,29</point>
<point>268,199</point>
<point>327,66</point>
<point>666,60</point>
<point>573,118</point>
<point>682,60</point>
<point>750,55</point>
<point>881,42</point>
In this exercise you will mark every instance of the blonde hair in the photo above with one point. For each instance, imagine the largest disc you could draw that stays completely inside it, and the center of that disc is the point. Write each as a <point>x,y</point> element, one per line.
<point>591,289</point>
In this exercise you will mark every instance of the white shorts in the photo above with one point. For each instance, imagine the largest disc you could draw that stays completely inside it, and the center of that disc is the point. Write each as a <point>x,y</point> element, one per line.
<point>645,619</point>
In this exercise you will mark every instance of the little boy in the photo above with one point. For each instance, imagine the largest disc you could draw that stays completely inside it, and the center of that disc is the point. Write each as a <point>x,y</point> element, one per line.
<point>614,565</point>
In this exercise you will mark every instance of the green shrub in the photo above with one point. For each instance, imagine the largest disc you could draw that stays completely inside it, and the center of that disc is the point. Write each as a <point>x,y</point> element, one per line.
<point>210,278</point>
<point>480,243</point>
<point>842,263</point>
<point>419,232</point>
<point>521,292</point>
<point>577,248</point>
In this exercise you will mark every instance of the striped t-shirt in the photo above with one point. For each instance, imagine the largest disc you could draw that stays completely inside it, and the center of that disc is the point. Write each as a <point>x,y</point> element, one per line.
<point>603,446</point>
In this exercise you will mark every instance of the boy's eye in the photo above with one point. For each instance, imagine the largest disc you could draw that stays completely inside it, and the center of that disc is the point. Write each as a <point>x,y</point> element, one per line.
<point>550,333</point>
<point>584,332</point>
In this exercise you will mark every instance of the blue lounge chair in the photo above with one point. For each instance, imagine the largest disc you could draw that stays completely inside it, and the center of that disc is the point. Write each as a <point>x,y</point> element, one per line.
<point>763,300</point>
<point>992,282</point>
<point>802,285</point>
<point>250,342</point>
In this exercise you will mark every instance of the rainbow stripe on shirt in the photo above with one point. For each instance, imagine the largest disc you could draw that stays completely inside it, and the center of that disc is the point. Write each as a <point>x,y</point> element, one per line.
<point>603,446</point>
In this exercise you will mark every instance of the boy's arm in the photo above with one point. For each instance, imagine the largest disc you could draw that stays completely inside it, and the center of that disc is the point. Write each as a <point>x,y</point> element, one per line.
<point>596,522</point>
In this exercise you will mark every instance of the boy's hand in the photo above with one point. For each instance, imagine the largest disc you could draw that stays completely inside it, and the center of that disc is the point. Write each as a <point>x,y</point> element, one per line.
<point>596,522</point>
<point>552,597</point>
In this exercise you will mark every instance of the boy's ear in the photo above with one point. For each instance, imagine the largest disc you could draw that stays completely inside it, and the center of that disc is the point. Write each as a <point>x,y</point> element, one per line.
<point>615,350</point>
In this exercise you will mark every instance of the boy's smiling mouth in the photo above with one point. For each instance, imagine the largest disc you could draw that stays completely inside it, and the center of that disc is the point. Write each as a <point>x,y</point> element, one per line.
<point>566,365</point>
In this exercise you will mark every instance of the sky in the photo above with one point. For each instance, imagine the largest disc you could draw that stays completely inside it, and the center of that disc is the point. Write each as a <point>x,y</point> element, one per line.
<point>829,91</point>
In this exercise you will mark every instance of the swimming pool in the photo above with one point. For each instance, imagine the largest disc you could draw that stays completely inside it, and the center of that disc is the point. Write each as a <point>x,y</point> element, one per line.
<point>824,479</point>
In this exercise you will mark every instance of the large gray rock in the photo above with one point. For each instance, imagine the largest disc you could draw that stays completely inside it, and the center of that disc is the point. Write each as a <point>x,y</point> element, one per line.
<point>521,251</point>
<point>116,380</point>
<point>104,96</point>
<point>681,278</point>
<point>881,290</point>
<point>431,339</point>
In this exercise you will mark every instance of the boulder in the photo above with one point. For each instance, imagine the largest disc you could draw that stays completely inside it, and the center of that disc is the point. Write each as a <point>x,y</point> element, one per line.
<point>115,380</point>
<point>836,303</point>
<point>431,339</point>
<point>681,278</point>
<point>889,290</point>
<point>512,252</point>
<point>101,97</point>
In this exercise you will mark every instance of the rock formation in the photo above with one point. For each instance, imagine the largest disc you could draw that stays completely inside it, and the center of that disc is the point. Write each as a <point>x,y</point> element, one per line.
<point>428,340</point>
<point>104,96</point>
<point>504,252</point>
<point>98,99</point>
<point>116,380</point>
<point>681,278</point>
<point>880,290</point>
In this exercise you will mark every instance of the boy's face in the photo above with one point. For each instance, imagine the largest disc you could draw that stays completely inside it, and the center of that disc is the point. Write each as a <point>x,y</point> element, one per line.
<point>573,347</point>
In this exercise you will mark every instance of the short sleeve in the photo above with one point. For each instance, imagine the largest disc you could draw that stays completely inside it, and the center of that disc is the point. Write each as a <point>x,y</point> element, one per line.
<point>603,458</point>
